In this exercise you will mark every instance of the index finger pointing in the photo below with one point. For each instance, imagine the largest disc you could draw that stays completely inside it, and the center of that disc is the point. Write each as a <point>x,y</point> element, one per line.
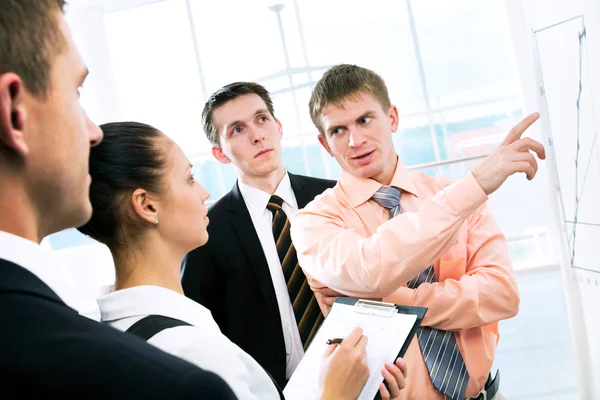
<point>516,132</point>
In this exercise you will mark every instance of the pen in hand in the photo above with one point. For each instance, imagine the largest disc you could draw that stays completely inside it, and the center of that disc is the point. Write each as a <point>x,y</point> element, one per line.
<point>334,341</point>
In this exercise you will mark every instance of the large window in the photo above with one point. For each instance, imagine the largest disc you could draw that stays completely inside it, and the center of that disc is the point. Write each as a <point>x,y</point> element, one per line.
<point>449,67</point>
<point>156,72</point>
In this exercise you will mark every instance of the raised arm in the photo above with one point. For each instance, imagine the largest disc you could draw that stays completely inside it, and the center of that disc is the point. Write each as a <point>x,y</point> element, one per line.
<point>340,258</point>
<point>375,266</point>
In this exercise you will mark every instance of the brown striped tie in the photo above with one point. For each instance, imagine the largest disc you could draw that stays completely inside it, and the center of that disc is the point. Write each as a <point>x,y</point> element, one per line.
<point>306,309</point>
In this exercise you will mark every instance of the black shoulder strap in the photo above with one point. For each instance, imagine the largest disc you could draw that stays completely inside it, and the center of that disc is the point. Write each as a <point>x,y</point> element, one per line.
<point>149,326</point>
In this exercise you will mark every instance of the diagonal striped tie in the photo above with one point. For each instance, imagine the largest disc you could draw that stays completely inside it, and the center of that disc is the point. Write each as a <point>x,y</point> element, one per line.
<point>306,309</point>
<point>441,353</point>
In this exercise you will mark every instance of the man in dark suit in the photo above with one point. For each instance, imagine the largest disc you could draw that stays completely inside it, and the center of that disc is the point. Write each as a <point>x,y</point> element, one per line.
<point>47,350</point>
<point>247,274</point>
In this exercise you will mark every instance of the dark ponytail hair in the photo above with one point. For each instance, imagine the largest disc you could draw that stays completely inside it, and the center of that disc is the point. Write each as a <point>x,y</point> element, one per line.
<point>128,158</point>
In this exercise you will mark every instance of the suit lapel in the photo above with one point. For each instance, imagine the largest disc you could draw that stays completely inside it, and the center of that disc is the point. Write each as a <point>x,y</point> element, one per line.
<point>242,224</point>
<point>301,190</point>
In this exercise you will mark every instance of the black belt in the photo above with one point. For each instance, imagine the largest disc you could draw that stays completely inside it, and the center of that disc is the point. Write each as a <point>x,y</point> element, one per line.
<point>490,389</point>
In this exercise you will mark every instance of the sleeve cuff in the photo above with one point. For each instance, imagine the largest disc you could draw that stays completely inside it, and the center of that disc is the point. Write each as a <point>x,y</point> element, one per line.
<point>465,196</point>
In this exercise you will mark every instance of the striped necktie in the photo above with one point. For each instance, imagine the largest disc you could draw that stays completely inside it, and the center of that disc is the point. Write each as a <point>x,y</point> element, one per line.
<point>442,356</point>
<point>306,309</point>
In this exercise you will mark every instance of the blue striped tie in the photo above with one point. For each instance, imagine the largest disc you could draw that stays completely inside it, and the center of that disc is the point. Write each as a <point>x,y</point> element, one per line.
<point>441,353</point>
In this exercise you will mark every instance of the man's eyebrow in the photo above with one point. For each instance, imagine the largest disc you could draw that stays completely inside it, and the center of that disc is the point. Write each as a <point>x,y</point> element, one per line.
<point>366,114</point>
<point>257,112</point>
<point>334,127</point>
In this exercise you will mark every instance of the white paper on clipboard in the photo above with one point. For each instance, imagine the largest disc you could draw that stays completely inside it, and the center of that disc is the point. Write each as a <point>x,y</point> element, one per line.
<point>387,331</point>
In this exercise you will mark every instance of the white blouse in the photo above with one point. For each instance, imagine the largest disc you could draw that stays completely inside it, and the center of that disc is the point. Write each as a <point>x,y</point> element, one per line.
<point>202,343</point>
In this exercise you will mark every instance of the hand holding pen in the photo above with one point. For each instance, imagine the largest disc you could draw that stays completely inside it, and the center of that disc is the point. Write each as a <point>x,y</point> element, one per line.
<point>394,374</point>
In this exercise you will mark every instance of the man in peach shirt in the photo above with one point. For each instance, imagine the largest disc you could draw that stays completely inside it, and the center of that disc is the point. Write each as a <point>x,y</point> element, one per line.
<point>412,239</point>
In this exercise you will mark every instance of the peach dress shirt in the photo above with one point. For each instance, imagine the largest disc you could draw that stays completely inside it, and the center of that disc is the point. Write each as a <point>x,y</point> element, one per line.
<point>347,242</point>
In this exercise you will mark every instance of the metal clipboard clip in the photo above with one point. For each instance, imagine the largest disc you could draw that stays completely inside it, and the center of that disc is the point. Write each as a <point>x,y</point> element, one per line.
<point>378,308</point>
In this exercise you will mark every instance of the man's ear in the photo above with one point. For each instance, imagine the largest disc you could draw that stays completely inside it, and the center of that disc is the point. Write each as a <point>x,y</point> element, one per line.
<point>324,143</point>
<point>217,153</point>
<point>394,119</point>
<point>278,122</point>
<point>145,207</point>
<point>12,113</point>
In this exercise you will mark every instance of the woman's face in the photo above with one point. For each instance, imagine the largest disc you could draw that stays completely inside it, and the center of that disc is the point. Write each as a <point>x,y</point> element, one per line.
<point>182,215</point>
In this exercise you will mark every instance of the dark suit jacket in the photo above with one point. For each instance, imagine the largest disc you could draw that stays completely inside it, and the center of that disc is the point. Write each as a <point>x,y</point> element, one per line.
<point>47,350</point>
<point>230,276</point>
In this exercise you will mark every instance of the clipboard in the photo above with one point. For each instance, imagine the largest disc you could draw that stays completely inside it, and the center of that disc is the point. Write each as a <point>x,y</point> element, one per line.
<point>379,323</point>
<point>386,310</point>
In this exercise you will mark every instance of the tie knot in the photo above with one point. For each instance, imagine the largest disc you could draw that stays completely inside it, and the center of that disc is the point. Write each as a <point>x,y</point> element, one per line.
<point>275,203</point>
<point>388,197</point>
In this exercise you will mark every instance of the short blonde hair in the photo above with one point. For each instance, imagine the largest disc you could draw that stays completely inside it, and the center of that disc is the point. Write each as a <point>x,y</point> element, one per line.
<point>341,82</point>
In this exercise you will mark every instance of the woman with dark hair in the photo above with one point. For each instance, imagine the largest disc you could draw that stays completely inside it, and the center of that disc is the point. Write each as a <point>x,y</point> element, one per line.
<point>149,210</point>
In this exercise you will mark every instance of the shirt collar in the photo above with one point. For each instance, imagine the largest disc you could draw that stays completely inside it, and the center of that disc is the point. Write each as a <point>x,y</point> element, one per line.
<point>359,189</point>
<point>257,200</point>
<point>39,261</point>
<point>147,300</point>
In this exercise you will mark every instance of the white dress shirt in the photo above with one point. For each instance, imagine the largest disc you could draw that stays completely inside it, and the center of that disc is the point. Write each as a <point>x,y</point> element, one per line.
<point>256,201</point>
<point>40,261</point>
<point>202,344</point>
